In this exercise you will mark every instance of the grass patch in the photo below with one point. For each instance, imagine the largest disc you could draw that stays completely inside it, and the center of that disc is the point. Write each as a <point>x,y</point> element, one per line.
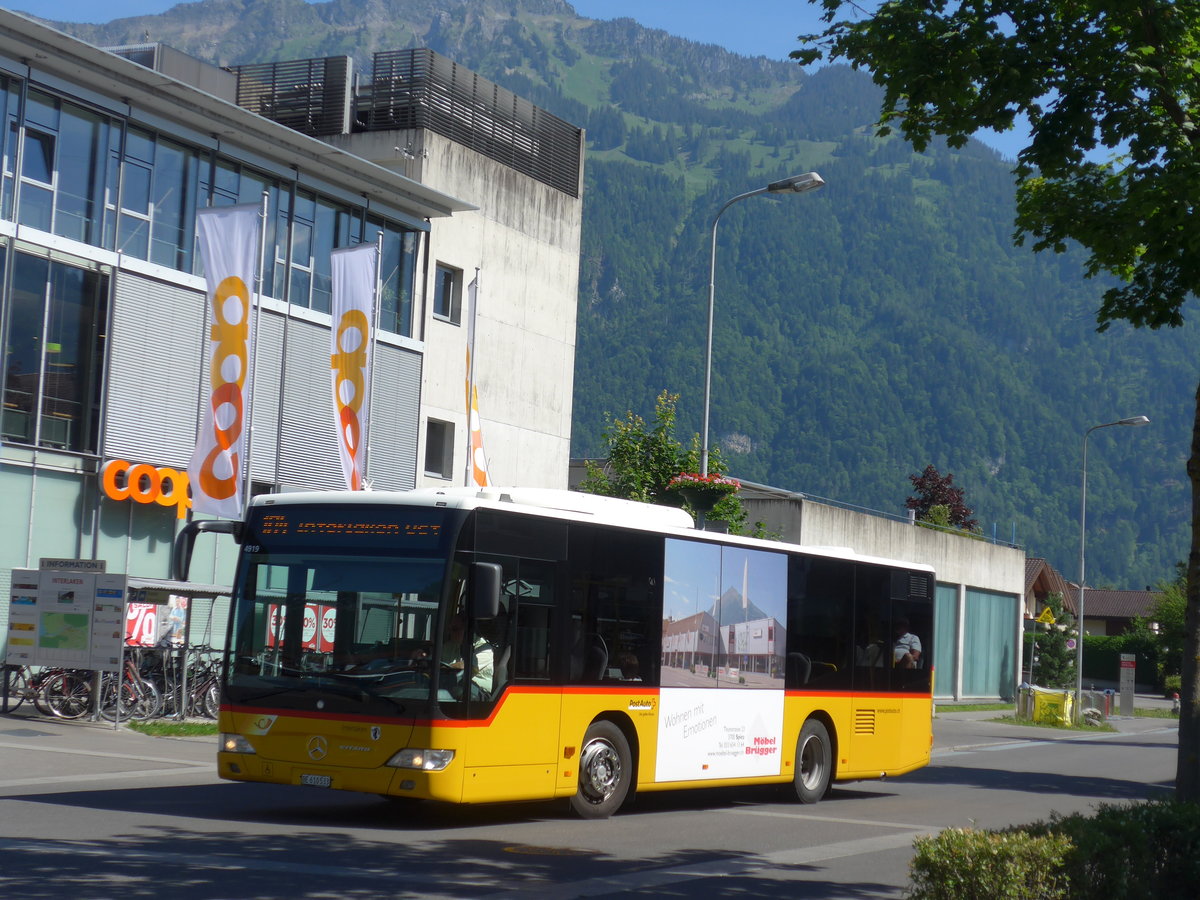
<point>1155,713</point>
<point>176,729</point>
<point>974,707</point>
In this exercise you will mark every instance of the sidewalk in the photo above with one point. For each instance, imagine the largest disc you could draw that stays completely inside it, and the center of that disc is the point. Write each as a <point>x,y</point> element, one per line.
<point>954,730</point>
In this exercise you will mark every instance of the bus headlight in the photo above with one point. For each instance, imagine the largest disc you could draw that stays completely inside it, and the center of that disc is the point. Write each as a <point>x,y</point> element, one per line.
<point>428,760</point>
<point>235,743</point>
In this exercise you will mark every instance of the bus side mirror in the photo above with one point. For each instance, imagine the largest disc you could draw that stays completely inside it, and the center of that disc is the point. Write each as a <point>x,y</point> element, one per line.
<point>185,541</point>
<point>485,589</point>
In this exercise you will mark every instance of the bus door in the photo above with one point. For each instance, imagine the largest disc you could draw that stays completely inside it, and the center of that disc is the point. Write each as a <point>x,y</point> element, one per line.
<point>892,634</point>
<point>510,745</point>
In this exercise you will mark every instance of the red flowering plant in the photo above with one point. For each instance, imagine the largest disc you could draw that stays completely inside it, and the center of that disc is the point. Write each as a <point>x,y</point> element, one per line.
<point>711,483</point>
<point>702,492</point>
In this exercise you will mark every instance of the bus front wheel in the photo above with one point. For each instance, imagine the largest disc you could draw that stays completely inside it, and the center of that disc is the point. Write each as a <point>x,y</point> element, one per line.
<point>814,762</point>
<point>605,771</point>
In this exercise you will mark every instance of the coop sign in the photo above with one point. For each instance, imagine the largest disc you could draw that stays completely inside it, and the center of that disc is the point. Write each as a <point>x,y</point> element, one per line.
<point>144,483</point>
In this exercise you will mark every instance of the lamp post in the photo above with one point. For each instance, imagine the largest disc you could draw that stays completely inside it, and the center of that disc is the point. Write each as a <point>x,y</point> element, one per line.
<point>1132,420</point>
<point>796,184</point>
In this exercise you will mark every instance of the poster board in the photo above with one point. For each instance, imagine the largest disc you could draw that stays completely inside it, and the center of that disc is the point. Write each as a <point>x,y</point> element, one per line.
<point>67,613</point>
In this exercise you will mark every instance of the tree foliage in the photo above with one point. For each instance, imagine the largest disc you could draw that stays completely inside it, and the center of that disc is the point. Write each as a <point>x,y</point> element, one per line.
<point>1167,623</point>
<point>1119,79</point>
<point>642,460</point>
<point>1053,662</point>
<point>938,501</point>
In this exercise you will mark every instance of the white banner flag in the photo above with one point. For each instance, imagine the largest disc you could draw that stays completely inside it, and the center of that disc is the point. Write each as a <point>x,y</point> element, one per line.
<point>354,277</point>
<point>229,246</point>
<point>477,467</point>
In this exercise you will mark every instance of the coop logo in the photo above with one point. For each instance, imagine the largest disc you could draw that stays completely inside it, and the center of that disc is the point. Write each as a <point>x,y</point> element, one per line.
<point>349,365</point>
<point>230,360</point>
<point>144,483</point>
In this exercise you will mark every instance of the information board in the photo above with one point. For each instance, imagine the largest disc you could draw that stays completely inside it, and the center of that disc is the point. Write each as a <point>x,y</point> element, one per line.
<point>63,616</point>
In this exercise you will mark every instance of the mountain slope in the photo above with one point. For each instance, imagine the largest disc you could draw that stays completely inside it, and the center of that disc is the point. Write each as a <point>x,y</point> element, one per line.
<point>862,331</point>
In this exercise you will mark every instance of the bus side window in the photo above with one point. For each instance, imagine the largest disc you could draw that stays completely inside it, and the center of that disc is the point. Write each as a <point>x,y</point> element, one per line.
<point>532,650</point>
<point>530,602</point>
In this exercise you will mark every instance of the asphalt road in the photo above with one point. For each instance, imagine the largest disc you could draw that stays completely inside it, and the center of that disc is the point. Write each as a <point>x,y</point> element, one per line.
<point>89,812</point>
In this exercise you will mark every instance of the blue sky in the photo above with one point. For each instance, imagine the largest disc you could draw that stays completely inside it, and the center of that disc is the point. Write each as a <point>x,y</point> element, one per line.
<point>750,27</point>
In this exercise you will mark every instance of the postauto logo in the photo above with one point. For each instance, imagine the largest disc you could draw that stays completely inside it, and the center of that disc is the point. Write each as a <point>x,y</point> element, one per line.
<point>144,483</point>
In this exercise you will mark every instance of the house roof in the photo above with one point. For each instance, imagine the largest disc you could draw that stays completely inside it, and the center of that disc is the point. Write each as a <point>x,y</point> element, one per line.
<point>1042,579</point>
<point>1104,604</point>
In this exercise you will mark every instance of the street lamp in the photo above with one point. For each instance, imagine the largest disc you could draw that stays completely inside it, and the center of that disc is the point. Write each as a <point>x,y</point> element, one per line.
<point>796,184</point>
<point>1132,420</point>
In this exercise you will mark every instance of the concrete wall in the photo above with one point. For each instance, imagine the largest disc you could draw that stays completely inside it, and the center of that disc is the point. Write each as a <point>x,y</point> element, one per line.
<point>959,562</point>
<point>524,239</point>
<point>955,559</point>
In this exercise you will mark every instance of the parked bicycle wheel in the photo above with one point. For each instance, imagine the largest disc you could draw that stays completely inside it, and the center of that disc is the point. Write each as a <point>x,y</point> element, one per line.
<point>17,687</point>
<point>68,695</point>
<point>212,699</point>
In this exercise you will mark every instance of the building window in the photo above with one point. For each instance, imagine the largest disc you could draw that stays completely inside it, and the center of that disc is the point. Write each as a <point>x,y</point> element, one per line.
<point>398,273</point>
<point>447,294</point>
<point>160,182</point>
<point>439,448</point>
<point>54,343</point>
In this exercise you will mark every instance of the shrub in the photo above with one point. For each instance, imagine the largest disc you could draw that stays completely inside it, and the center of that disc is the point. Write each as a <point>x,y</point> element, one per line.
<point>1139,851</point>
<point>965,864</point>
<point>1172,684</point>
<point>1142,850</point>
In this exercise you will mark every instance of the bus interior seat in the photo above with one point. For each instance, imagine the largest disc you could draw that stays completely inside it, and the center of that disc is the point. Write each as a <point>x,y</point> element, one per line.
<point>595,662</point>
<point>801,668</point>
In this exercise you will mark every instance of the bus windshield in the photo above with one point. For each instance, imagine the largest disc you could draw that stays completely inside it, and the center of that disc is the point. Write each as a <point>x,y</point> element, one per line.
<point>341,604</point>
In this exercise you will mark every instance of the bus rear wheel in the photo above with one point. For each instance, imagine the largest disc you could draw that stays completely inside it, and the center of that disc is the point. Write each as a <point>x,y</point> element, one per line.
<point>814,762</point>
<point>605,772</point>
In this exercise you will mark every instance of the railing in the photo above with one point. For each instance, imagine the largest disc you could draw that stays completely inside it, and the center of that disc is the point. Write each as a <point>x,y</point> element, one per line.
<point>413,89</point>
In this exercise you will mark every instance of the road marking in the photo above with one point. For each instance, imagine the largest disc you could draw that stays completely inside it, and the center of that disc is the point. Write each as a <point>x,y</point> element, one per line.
<point>188,770</point>
<point>40,748</point>
<point>1081,738</point>
<point>814,818</point>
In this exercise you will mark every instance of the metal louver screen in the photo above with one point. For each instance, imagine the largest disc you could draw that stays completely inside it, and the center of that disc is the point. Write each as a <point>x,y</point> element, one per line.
<point>421,89</point>
<point>311,96</point>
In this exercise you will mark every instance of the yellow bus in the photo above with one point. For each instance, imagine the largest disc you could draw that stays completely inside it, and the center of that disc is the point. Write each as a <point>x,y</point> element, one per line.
<point>515,644</point>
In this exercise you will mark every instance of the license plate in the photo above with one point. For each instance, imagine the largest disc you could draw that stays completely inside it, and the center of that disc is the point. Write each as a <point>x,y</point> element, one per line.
<point>316,780</point>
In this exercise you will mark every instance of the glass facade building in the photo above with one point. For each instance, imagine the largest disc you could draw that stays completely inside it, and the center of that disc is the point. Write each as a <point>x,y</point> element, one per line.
<point>102,298</point>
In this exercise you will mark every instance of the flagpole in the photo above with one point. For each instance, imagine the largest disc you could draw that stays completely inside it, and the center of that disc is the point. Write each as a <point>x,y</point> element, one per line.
<point>258,285</point>
<point>473,298</point>
<point>375,304</point>
<point>283,356</point>
<point>202,396</point>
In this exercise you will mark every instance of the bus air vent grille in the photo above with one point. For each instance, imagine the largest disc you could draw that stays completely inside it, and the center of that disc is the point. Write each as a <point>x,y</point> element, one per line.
<point>864,721</point>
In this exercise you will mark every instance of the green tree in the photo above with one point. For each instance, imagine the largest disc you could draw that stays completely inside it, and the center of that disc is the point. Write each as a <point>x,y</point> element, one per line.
<point>937,501</point>
<point>1054,662</point>
<point>1167,622</point>
<point>1120,79</point>
<point>642,460</point>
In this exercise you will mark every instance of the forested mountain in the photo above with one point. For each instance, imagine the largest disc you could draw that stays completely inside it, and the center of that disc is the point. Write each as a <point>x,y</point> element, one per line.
<point>863,331</point>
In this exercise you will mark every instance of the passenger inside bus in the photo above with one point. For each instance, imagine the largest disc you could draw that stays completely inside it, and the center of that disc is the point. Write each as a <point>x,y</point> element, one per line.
<point>482,654</point>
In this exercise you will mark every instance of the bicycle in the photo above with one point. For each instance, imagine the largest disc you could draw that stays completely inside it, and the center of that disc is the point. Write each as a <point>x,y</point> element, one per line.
<point>171,669</point>
<point>67,693</point>
<point>128,696</point>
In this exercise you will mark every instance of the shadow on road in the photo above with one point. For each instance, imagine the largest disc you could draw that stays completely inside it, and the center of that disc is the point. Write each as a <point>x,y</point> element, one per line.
<point>1061,783</point>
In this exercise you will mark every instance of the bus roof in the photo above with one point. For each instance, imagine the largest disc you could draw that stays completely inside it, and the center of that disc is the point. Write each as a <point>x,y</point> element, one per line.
<point>571,505</point>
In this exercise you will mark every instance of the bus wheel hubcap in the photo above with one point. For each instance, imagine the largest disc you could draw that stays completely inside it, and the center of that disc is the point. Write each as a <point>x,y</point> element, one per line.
<point>810,762</point>
<point>600,770</point>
